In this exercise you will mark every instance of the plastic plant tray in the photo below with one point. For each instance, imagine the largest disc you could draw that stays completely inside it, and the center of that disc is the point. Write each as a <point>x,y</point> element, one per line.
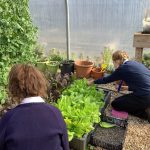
<point>111,119</point>
<point>108,138</point>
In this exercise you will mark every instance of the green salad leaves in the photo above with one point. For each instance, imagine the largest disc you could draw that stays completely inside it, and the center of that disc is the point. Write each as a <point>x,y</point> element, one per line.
<point>80,106</point>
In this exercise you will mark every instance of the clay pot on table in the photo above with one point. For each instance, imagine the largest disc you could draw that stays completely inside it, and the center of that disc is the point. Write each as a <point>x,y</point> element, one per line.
<point>97,73</point>
<point>83,68</point>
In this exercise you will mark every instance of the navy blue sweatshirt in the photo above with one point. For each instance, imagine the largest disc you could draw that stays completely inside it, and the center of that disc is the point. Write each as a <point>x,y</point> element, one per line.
<point>135,74</point>
<point>33,126</point>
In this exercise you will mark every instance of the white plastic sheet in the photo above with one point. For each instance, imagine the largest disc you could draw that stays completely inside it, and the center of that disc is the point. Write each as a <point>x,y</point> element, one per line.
<point>94,24</point>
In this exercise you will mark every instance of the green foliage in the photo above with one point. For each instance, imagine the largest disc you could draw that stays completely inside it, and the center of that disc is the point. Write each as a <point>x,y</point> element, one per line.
<point>80,106</point>
<point>3,95</point>
<point>110,68</point>
<point>55,55</point>
<point>106,125</point>
<point>107,56</point>
<point>146,60</point>
<point>17,36</point>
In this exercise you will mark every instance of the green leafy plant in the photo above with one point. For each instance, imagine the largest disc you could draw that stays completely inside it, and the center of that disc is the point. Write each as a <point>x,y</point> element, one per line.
<point>110,68</point>
<point>18,37</point>
<point>107,56</point>
<point>146,60</point>
<point>80,106</point>
<point>57,83</point>
<point>55,55</point>
<point>3,95</point>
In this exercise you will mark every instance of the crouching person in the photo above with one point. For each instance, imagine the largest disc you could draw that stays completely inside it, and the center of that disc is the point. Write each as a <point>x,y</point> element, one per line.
<point>137,77</point>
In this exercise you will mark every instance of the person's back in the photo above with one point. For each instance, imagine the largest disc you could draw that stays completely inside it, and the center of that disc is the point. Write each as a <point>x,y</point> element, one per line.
<point>136,76</point>
<point>33,124</point>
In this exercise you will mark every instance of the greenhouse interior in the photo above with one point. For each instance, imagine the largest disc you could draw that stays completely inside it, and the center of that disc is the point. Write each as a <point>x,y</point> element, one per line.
<point>75,75</point>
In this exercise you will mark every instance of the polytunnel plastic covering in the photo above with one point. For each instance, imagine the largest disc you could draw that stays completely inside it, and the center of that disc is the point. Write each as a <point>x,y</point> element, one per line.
<point>94,24</point>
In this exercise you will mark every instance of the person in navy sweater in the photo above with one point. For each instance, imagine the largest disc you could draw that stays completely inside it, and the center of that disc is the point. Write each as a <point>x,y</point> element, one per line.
<point>33,124</point>
<point>137,77</point>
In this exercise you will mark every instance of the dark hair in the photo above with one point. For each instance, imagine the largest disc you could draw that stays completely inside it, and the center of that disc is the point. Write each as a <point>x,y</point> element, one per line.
<point>26,81</point>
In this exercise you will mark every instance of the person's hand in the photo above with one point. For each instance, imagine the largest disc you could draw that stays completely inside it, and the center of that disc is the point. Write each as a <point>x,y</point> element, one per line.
<point>90,82</point>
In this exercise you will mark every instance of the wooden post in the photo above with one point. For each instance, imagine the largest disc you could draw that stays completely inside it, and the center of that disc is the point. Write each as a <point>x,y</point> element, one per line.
<point>138,54</point>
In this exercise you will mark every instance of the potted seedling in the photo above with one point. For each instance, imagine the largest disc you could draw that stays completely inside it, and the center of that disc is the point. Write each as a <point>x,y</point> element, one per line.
<point>52,66</point>
<point>53,62</point>
<point>67,67</point>
<point>41,64</point>
<point>98,72</point>
<point>42,60</point>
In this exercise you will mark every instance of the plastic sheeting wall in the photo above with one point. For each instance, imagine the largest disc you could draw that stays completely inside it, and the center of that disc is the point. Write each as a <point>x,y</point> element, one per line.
<point>94,24</point>
<point>50,18</point>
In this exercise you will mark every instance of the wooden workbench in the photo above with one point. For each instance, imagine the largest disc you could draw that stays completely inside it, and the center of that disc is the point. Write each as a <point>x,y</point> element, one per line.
<point>140,41</point>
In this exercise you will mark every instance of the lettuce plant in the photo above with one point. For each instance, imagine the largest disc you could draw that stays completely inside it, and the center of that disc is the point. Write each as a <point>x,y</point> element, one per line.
<point>80,106</point>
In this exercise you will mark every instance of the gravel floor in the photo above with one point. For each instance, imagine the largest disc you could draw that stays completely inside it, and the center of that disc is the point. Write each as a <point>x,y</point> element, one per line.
<point>138,134</point>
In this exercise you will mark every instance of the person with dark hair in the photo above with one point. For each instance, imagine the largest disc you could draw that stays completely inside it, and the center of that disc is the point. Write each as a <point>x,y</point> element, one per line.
<point>137,77</point>
<point>33,124</point>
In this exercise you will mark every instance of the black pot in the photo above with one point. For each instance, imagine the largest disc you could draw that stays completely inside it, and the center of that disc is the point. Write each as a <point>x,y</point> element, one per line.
<point>67,67</point>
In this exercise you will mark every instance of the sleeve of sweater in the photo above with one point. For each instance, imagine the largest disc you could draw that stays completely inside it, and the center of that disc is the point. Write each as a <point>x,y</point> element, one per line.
<point>116,75</point>
<point>62,124</point>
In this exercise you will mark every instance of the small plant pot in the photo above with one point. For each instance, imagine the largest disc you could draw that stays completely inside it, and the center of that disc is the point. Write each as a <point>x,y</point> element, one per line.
<point>80,143</point>
<point>67,67</point>
<point>97,73</point>
<point>83,69</point>
<point>52,67</point>
<point>41,66</point>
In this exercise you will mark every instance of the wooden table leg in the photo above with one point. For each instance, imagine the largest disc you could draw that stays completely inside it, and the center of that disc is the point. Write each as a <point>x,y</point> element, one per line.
<point>138,54</point>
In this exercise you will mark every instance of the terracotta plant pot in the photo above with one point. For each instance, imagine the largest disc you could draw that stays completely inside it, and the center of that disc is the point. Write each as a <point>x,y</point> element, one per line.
<point>97,73</point>
<point>83,69</point>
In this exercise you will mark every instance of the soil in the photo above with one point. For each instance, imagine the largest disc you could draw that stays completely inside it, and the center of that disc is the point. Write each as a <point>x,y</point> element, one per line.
<point>110,138</point>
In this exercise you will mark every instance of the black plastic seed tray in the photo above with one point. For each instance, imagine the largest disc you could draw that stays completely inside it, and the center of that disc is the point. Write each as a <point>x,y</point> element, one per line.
<point>108,118</point>
<point>108,138</point>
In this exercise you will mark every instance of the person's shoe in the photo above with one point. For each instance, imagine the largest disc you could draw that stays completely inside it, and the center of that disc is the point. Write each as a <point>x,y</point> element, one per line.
<point>148,113</point>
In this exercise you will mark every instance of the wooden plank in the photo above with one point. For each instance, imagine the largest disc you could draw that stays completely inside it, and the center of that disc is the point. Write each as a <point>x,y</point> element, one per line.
<point>138,54</point>
<point>141,40</point>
